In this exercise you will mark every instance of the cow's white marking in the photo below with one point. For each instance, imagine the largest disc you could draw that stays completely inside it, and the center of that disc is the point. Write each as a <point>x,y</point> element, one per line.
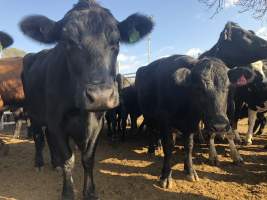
<point>258,66</point>
<point>212,151</point>
<point>233,150</point>
<point>252,115</point>
<point>262,109</point>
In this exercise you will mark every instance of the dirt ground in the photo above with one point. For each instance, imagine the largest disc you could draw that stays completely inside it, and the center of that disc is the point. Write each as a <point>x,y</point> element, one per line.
<point>124,171</point>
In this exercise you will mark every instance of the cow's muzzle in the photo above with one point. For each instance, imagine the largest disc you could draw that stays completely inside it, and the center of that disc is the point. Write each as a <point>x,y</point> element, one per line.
<point>101,97</point>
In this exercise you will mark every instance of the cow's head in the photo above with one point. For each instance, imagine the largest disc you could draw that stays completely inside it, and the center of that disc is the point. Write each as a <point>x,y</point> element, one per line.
<point>255,93</point>
<point>90,36</point>
<point>5,40</point>
<point>209,82</point>
<point>237,46</point>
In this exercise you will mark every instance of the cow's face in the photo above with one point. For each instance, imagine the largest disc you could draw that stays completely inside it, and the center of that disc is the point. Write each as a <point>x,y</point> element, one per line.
<point>238,46</point>
<point>209,82</point>
<point>5,40</point>
<point>90,36</point>
<point>256,93</point>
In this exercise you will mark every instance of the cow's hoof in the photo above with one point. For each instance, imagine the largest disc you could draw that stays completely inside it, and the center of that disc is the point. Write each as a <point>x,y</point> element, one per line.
<point>39,169</point>
<point>64,197</point>
<point>91,197</point>
<point>68,196</point>
<point>192,177</point>
<point>166,183</point>
<point>247,143</point>
<point>214,162</point>
<point>238,141</point>
<point>58,170</point>
<point>151,156</point>
<point>259,133</point>
<point>239,162</point>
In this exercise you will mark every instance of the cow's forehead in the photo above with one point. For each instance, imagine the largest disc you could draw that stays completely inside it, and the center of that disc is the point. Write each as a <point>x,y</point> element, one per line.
<point>96,19</point>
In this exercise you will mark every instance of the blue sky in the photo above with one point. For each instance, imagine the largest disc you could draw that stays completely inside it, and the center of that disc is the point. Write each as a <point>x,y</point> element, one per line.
<point>182,26</point>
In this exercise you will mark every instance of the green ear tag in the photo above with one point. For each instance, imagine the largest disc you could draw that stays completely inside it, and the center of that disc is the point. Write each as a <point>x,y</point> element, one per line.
<point>134,37</point>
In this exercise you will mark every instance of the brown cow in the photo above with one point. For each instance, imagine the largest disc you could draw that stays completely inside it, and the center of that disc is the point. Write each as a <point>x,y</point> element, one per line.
<point>11,90</point>
<point>5,41</point>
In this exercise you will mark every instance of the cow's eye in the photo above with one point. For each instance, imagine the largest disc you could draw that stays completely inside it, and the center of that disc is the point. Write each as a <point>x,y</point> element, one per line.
<point>114,42</point>
<point>114,46</point>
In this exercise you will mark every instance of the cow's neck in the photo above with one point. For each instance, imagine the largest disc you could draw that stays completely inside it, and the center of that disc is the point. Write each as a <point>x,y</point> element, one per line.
<point>216,52</point>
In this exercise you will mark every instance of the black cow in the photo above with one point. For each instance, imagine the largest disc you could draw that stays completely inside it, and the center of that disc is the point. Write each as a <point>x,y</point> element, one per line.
<point>176,93</point>
<point>113,116</point>
<point>68,87</point>
<point>237,46</point>
<point>254,96</point>
<point>129,107</point>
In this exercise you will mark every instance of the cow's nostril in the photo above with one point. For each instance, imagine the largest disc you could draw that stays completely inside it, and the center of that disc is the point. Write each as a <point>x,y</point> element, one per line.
<point>220,127</point>
<point>112,93</point>
<point>90,96</point>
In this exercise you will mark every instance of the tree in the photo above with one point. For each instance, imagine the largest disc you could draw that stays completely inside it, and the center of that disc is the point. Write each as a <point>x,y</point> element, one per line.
<point>12,52</point>
<point>257,7</point>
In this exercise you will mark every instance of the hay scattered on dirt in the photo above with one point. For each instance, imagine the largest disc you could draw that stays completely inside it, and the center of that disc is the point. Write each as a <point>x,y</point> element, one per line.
<point>123,171</point>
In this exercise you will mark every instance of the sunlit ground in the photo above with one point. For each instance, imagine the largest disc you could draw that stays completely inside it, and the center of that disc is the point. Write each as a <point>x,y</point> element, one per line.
<point>124,171</point>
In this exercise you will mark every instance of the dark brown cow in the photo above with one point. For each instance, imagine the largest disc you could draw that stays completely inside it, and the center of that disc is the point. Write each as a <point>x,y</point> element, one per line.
<point>11,89</point>
<point>5,41</point>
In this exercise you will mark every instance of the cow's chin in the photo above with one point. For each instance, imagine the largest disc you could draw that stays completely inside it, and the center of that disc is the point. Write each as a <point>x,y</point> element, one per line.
<point>98,106</point>
<point>221,132</point>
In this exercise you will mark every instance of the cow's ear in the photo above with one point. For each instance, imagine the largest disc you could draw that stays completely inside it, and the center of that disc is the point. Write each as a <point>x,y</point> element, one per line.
<point>227,32</point>
<point>135,27</point>
<point>182,76</point>
<point>241,76</point>
<point>5,40</point>
<point>40,28</point>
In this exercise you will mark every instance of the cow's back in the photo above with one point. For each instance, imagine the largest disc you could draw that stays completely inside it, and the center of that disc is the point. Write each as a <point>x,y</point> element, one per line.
<point>155,83</point>
<point>34,79</point>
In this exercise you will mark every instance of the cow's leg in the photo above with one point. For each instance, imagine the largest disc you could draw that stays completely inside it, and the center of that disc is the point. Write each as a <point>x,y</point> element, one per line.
<point>123,127</point>
<point>188,162</point>
<point>235,131</point>
<point>233,150</point>
<point>213,156</point>
<point>252,115</point>
<point>29,130</point>
<point>151,139</point>
<point>123,121</point>
<point>200,133</point>
<point>4,147</point>
<point>94,126</point>
<point>39,141</point>
<point>141,127</point>
<point>167,144</point>
<point>108,119</point>
<point>114,125</point>
<point>133,123</point>
<point>55,161</point>
<point>261,122</point>
<point>18,128</point>
<point>63,151</point>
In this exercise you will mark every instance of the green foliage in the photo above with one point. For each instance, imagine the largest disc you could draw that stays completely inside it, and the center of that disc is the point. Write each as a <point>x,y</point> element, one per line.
<point>13,52</point>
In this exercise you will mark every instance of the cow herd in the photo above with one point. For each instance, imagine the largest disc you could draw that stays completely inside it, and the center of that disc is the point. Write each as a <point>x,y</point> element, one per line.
<point>67,90</point>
